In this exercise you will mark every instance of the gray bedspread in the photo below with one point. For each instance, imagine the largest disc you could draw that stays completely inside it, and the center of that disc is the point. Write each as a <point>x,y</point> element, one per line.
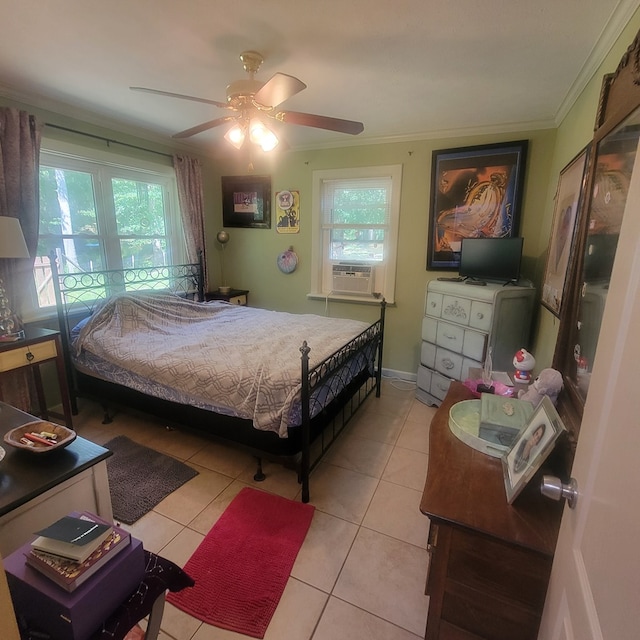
<point>242,358</point>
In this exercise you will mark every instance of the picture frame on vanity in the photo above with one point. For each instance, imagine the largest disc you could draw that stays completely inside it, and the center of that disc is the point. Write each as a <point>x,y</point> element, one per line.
<point>246,201</point>
<point>568,200</point>
<point>531,448</point>
<point>475,192</point>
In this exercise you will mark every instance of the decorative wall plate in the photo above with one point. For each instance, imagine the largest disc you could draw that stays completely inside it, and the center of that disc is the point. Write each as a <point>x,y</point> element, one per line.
<point>287,261</point>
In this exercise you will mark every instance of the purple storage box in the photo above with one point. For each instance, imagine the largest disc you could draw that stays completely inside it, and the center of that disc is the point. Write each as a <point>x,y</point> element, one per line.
<point>44,606</point>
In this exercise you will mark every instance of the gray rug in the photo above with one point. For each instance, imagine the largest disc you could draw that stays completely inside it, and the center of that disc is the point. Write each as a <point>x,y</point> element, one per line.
<point>140,478</point>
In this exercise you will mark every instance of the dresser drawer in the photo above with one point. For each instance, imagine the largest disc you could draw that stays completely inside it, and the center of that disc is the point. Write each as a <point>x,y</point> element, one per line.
<point>424,378</point>
<point>24,356</point>
<point>429,329</point>
<point>448,363</point>
<point>456,309</point>
<point>480,316</point>
<point>439,385</point>
<point>428,354</point>
<point>433,304</point>
<point>450,336</point>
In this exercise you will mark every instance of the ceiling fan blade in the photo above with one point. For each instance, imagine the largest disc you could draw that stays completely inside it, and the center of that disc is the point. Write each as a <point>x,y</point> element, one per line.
<point>320,122</point>
<point>222,105</point>
<point>277,89</point>
<point>203,127</point>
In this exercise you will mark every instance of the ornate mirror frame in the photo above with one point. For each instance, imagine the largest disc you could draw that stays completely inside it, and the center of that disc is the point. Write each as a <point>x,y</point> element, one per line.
<point>618,118</point>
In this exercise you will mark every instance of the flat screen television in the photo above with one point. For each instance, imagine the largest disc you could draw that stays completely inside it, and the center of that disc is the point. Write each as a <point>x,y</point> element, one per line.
<point>491,259</point>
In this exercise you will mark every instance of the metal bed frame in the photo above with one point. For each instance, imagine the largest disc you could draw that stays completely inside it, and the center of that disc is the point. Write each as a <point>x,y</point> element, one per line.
<point>78,294</point>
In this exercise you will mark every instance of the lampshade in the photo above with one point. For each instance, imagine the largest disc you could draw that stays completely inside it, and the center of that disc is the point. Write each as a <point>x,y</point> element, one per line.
<point>235,136</point>
<point>12,244</point>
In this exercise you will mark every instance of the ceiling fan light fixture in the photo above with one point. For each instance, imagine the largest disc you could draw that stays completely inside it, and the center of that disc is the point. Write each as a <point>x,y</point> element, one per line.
<point>261,135</point>
<point>235,136</point>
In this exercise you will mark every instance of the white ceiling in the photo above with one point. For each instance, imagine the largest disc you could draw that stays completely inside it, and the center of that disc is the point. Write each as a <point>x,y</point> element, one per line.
<point>407,68</point>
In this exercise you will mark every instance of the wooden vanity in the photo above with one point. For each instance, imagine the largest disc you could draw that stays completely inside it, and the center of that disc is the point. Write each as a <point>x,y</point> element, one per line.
<point>489,561</point>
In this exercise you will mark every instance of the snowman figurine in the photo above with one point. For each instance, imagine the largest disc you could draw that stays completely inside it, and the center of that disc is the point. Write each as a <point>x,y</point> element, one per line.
<point>524,362</point>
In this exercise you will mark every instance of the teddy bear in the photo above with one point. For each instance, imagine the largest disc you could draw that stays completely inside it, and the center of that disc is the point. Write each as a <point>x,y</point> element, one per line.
<point>547,383</point>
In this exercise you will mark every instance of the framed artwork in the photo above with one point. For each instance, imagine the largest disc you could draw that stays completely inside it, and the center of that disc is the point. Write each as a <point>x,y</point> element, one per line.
<point>531,448</point>
<point>288,211</point>
<point>568,200</point>
<point>246,201</point>
<point>476,192</point>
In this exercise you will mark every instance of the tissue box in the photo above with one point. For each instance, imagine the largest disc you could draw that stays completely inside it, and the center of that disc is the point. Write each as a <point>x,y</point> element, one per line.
<point>45,606</point>
<point>503,418</point>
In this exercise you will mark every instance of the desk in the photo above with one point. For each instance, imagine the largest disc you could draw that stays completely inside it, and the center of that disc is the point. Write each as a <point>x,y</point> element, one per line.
<point>490,561</point>
<point>36,489</point>
<point>37,347</point>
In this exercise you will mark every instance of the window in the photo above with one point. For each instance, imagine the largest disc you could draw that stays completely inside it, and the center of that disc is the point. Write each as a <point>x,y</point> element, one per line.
<point>97,214</point>
<point>355,221</point>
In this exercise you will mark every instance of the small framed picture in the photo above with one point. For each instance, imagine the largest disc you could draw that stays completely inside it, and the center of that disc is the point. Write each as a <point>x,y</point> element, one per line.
<point>531,448</point>
<point>246,201</point>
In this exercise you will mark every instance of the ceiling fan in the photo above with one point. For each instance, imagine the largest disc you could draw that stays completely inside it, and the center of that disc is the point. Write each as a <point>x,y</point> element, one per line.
<point>249,100</point>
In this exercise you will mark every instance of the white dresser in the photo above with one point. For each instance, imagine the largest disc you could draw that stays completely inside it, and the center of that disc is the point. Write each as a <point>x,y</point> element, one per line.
<point>460,322</point>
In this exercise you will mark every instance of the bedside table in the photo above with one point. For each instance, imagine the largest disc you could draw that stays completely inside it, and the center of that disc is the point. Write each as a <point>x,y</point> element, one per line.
<point>235,296</point>
<point>38,346</point>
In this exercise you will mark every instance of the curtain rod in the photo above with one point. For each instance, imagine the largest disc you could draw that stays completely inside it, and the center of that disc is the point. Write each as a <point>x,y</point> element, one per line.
<point>107,140</point>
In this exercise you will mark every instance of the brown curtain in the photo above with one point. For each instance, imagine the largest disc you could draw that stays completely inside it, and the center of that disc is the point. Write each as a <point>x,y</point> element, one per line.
<point>190,195</point>
<point>20,135</point>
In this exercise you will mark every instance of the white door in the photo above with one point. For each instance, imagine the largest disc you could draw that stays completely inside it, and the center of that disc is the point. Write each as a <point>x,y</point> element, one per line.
<point>595,582</point>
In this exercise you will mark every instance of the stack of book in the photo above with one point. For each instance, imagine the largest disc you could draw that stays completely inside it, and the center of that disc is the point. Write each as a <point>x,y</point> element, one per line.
<point>74,548</point>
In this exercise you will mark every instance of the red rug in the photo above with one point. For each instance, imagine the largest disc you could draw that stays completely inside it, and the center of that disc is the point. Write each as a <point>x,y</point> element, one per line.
<point>242,566</point>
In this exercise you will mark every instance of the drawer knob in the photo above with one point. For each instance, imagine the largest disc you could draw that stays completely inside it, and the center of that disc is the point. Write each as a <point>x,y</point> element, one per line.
<point>448,364</point>
<point>30,356</point>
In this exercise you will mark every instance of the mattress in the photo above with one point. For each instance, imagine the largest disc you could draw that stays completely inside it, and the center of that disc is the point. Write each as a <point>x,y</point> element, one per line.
<point>238,361</point>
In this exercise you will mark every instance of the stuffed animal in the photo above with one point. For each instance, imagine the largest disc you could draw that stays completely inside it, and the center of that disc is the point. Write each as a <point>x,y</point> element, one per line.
<point>548,383</point>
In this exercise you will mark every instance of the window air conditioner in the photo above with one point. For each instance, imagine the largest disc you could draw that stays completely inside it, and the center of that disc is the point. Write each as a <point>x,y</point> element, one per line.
<point>352,279</point>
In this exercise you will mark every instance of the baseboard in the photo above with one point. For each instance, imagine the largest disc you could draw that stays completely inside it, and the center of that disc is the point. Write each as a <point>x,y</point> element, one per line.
<point>399,375</point>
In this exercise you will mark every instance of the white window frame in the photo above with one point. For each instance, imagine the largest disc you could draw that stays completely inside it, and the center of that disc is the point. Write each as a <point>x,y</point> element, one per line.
<point>104,166</point>
<point>321,264</point>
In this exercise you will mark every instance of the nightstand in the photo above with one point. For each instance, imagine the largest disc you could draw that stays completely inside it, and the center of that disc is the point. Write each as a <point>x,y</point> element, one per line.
<point>38,346</point>
<point>235,296</point>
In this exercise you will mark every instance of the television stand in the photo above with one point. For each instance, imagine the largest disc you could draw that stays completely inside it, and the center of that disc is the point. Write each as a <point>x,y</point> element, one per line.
<point>477,283</point>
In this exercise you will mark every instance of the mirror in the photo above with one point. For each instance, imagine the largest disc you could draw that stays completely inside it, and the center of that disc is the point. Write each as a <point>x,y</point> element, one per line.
<point>611,164</point>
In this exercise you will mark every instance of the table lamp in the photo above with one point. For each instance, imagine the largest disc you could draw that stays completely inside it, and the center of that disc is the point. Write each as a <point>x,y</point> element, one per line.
<point>12,245</point>
<point>223,238</point>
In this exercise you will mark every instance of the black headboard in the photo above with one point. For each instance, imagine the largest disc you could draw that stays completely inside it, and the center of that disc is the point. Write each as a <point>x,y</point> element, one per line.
<point>78,294</point>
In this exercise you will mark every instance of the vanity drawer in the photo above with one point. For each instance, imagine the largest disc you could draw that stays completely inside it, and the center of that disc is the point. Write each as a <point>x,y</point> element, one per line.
<point>24,356</point>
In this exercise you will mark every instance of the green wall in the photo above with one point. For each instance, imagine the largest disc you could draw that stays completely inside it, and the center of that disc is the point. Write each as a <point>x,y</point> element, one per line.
<point>250,256</point>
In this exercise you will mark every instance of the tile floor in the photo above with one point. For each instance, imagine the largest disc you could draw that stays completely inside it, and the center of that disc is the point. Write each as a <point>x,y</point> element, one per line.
<point>360,574</point>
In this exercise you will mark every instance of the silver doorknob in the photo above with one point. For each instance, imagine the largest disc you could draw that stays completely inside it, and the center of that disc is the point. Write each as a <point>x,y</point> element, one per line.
<point>555,489</point>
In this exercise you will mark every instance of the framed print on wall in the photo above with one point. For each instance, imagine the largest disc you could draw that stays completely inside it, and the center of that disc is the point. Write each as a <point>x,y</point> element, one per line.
<point>476,192</point>
<point>569,195</point>
<point>246,201</point>
<point>531,448</point>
